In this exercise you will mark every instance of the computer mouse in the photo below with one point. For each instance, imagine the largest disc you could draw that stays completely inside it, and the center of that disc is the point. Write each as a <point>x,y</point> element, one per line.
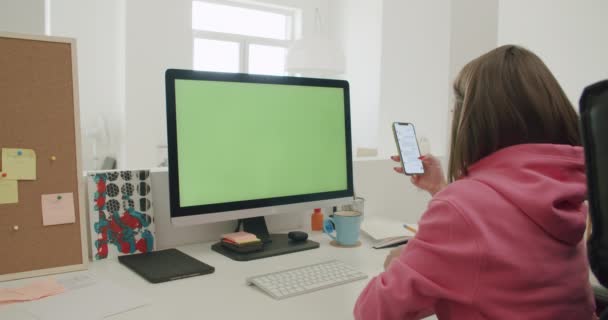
<point>297,236</point>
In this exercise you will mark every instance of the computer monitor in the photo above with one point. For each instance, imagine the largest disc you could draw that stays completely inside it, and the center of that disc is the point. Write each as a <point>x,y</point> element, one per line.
<point>245,146</point>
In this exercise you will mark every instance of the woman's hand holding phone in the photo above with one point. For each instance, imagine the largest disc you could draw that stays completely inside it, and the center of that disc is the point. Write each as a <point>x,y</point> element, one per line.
<point>432,180</point>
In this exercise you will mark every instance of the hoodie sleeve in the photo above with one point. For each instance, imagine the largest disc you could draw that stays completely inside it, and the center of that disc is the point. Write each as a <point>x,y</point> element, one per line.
<point>442,262</point>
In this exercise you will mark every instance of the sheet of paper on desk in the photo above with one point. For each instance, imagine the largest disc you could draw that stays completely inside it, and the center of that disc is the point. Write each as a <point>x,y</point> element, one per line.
<point>9,191</point>
<point>76,281</point>
<point>15,313</point>
<point>37,289</point>
<point>19,164</point>
<point>379,228</point>
<point>95,300</point>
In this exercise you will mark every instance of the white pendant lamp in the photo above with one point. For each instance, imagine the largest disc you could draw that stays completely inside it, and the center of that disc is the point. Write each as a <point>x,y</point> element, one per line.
<point>315,55</point>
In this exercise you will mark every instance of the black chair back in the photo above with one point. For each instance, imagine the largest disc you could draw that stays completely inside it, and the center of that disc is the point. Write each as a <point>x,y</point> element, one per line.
<point>594,126</point>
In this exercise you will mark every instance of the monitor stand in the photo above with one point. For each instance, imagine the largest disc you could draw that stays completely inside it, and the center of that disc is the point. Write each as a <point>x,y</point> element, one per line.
<point>274,244</point>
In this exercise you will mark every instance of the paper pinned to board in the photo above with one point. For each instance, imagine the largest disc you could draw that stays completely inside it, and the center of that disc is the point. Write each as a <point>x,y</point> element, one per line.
<point>19,164</point>
<point>58,209</point>
<point>9,191</point>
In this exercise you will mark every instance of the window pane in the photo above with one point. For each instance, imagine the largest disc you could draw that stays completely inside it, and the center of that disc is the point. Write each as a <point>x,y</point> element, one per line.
<point>232,19</point>
<point>267,60</point>
<point>214,55</point>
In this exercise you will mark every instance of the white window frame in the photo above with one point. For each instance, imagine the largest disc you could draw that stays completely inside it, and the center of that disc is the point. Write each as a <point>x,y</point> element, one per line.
<point>245,41</point>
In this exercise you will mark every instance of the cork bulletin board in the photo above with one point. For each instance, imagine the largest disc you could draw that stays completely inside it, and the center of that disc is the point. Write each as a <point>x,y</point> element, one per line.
<point>42,224</point>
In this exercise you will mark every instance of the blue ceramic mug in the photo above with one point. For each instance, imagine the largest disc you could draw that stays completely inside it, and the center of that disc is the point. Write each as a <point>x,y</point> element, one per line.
<point>346,224</point>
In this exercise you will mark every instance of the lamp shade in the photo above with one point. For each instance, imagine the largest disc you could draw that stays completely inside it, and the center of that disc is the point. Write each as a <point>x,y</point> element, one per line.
<point>316,55</point>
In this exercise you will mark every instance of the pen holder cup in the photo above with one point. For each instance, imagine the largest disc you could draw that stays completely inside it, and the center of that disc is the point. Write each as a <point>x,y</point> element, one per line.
<point>357,204</point>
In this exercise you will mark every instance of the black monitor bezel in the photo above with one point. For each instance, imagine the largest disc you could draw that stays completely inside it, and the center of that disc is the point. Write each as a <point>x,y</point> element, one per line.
<point>177,74</point>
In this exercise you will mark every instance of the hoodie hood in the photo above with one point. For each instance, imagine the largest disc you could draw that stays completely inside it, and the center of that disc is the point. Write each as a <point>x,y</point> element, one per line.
<point>545,181</point>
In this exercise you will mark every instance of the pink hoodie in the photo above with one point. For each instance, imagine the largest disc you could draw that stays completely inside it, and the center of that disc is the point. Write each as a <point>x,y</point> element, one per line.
<point>502,243</point>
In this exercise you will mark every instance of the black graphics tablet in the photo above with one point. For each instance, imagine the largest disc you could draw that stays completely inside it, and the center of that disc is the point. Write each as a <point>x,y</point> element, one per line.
<point>165,265</point>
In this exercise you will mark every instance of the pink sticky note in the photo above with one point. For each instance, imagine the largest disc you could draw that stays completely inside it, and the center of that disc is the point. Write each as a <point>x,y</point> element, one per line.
<point>240,236</point>
<point>58,209</point>
<point>8,295</point>
<point>33,291</point>
<point>42,288</point>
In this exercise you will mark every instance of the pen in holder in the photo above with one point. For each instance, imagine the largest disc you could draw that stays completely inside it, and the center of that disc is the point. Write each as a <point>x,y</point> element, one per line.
<point>357,205</point>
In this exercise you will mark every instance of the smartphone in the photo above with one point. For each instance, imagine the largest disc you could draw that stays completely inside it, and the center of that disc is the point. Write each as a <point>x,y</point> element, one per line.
<point>407,144</point>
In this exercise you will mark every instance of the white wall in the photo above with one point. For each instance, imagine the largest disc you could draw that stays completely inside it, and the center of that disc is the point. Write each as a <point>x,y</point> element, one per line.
<point>22,16</point>
<point>357,27</point>
<point>98,27</point>
<point>401,57</point>
<point>401,65</point>
<point>414,71</point>
<point>159,36</point>
<point>474,31</point>
<point>570,36</point>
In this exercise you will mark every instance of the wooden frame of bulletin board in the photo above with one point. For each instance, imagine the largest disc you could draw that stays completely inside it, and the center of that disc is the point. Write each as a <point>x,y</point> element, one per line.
<point>42,219</point>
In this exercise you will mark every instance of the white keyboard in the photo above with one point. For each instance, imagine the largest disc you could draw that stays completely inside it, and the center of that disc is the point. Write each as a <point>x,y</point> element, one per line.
<point>291,282</point>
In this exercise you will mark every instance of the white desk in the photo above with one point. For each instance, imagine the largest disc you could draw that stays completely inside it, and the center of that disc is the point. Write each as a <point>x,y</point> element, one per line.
<point>224,294</point>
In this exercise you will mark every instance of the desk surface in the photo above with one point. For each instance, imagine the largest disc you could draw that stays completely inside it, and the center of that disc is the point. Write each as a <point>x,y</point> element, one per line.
<point>224,294</point>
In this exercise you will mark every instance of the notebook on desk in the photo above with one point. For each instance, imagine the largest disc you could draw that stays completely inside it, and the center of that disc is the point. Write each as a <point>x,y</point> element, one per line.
<point>388,232</point>
<point>165,265</point>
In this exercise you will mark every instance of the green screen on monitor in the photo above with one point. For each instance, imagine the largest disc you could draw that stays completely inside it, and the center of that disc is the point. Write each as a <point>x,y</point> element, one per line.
<point>239,141</point>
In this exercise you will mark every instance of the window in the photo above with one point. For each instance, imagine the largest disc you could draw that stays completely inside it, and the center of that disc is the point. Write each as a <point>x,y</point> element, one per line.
<point>231,37</point>
<point>216,55</point>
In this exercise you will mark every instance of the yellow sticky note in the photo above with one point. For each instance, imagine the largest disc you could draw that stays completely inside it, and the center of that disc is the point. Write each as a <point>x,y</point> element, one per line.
<point>19,164</point>
<point>58,209</point>
<point>9,192</point>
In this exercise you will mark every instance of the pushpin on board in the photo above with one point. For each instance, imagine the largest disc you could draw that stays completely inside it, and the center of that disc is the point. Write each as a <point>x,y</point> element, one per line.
<point>19,152</point>
<point>58,197</point>
<point>3,174</point>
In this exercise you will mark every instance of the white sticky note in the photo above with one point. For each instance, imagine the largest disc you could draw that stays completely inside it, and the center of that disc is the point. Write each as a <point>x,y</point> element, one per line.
<point>9,191</point>
<point>58,209</point>
<point>19,164</point>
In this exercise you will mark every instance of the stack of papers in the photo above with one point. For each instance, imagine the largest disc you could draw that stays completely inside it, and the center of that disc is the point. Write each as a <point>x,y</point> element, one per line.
<point>240,238</point>
<point>387,232</point>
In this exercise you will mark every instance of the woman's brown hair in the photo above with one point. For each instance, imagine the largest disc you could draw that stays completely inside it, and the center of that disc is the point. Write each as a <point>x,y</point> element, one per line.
<point>507,97</point>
